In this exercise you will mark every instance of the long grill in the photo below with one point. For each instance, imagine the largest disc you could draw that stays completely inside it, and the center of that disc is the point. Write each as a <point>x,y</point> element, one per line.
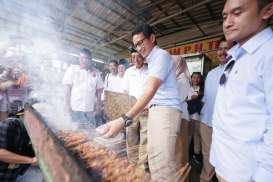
<point>68,156</point>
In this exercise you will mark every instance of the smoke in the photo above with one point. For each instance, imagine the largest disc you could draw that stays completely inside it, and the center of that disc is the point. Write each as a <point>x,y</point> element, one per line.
<point>38,35</point>
<point>32,38</point>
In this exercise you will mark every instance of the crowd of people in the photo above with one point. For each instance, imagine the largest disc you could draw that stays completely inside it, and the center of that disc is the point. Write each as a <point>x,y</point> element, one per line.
<point>223,122</point>
<point>17,157</point>
<point>236,117</point>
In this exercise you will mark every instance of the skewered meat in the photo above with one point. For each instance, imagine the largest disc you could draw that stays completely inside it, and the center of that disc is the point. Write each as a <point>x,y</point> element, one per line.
<point>99,158</point>
<point>72,138</point>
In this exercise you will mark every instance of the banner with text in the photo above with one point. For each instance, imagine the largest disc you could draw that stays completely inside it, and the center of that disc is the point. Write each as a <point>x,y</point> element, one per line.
<point>208,47</point>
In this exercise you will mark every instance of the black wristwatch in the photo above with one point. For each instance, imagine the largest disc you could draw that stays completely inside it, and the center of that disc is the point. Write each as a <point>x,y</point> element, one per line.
<point>127,120</point>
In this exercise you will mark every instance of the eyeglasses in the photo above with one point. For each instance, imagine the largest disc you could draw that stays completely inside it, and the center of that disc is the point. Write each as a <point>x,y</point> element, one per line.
<point>227,70</point>
<point>139,43</point>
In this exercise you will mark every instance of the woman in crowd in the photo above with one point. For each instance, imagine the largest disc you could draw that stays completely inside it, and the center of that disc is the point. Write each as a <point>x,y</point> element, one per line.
<point>194,108</point>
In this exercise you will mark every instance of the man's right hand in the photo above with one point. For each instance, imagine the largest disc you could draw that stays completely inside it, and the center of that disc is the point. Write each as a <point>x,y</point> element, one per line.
<point>112,128</point>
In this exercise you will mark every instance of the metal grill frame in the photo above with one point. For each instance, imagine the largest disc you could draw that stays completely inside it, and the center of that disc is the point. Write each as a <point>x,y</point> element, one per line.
<point>56,162</point>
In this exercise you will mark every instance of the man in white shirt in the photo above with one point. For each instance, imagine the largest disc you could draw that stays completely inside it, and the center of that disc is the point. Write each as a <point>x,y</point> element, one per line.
<point>113,82</point>
<point>210,92</point>
<point>121,68</point>
<point>12,88</point>
<point>83,87</point>
<point>164,117</point>
<point>134,82</point>
<point>242,139</point>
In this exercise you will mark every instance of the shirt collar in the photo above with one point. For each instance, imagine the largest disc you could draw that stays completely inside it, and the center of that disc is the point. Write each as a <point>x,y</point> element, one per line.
<point>222,66</point>
<point>259,39</point>
<point>153,51</point>
<point>234,52</point>
<point>252,44</point>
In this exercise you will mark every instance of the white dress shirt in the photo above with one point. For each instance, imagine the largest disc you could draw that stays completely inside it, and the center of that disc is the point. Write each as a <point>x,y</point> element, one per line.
<point>135,81</point>
<point>113,83</point>
<point>242,141</point>
<point>210,92</point>
<point>84,85</point>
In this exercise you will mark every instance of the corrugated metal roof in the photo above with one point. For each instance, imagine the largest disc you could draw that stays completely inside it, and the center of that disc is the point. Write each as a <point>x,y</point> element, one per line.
<point>105,25</point>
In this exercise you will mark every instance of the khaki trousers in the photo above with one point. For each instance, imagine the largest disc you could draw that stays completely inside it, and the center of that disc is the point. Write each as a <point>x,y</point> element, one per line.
<point>207,172</point>
<point>136,141</point>
<point>163,136</point>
